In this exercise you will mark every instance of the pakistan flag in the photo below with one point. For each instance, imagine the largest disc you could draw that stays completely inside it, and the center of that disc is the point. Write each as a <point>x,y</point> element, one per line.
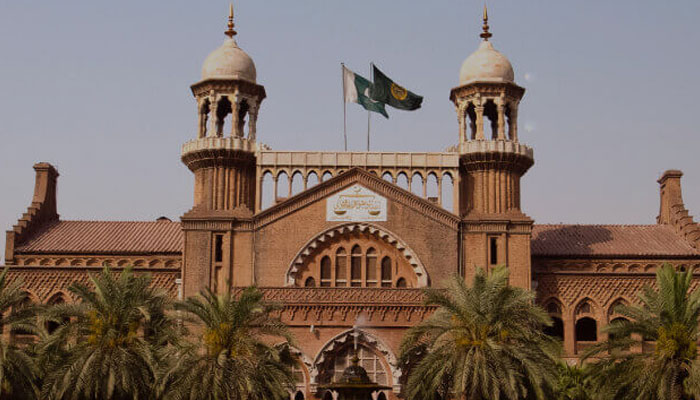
<point>356,90</point>
<point>386,91</point>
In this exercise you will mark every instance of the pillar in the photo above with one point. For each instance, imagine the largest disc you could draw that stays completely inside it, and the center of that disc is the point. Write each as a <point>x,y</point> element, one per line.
<point>213,120</point>
<point>501,134</point>
<point>479,122</point>
<point>461,119</point>
<point>252,122</point>
<point>513,126</point>
<point>235,107</point>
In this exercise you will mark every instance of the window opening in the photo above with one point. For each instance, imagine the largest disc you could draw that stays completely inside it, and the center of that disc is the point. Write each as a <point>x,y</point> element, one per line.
<point>218,248</point>
<point>493,257</point>
<point>341,268</point>
<point>326,271</point>
<point>386,272</point>
<point>371,273</point>
<point>356,267</point>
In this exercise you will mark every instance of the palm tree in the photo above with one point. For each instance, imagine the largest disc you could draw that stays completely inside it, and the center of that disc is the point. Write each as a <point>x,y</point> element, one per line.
<point>668,316</point>
<point>482,342</point>
<point>107,344</point>
<point>230,360</point>
<point>573,383</point>
<point>19,374</point>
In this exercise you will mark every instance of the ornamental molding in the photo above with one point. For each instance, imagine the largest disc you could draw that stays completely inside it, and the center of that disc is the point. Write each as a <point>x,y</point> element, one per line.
<point>343,296</point>
<point>378,232</point>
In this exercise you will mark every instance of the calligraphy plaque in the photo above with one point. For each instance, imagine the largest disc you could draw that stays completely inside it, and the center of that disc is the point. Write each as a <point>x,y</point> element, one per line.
<point>356,204</point>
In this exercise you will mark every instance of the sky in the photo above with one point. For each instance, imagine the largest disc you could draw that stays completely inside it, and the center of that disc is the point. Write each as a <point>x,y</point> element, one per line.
<point>101,90</point>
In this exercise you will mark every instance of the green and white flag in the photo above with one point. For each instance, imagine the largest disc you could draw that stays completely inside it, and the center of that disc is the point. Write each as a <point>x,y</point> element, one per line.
<point>356,90</point>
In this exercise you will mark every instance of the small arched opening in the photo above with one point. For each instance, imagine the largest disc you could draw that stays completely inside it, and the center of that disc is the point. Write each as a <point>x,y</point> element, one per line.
<point>283,187</point>
<point>447,192</point>
<point>310,282</point>
<point>586,330</point>
<point>402,181</point>
<point>417,184</point>
<point>311,179</point>
<point>490,114</point>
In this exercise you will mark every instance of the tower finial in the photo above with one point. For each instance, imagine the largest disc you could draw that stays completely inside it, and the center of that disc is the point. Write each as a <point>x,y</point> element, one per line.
<point>486,34</point>
<point>230,32</point>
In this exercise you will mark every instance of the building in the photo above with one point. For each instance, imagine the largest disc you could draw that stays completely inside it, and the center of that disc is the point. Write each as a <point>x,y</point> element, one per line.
<point>349,254</point>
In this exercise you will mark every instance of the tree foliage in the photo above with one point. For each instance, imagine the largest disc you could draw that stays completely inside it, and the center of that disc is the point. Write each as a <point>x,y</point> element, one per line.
<point>668,316</point>
<point>229,358</point>
<point>484,341</point>
<point>19,373</point>
<point>107,344</point>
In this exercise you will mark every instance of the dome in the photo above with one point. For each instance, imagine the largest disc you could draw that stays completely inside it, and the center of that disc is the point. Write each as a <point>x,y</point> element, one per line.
<point>229,62</point>
<point>486,64</point>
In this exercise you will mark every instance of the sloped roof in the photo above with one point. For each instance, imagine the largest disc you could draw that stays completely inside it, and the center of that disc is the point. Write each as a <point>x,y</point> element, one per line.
<point>101,237</point>
<point>609,240</point>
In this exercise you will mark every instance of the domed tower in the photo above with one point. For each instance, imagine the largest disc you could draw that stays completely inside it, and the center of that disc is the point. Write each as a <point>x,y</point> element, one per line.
<point>492,161</point>
<point>222,158</point>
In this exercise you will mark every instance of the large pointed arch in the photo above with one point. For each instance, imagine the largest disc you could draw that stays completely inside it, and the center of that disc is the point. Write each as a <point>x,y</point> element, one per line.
<point>379,232</point>
<point>365,338</point>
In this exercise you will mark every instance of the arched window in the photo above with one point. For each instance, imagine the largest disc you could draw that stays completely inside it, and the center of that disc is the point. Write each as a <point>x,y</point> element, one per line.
<point>326,271</point>
<point>341,268</point>
<point>401,283</point>
<point>310,282</point>
<point>328,395</point>
<point>381,396</point>
<point>51,326</point>
<point>343,359</point>
<point>386,272</point>
<point>557,328</point>
<point>371,266</point>
<point>553,308</point>
<point>586,330</point>
<point>356,267</point>
<point>299,395</point>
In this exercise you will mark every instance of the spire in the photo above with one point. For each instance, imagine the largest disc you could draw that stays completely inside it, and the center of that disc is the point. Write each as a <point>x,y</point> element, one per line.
<point>486,34</point>
<point>230,32</point>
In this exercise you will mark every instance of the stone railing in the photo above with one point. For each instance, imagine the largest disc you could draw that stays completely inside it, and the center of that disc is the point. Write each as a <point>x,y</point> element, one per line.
<point>219,143</point>
<point>495,146</point>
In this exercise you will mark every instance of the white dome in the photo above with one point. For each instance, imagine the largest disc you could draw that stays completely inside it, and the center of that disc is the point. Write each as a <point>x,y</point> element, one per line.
<point>229,62</point>
<point>486,64</point>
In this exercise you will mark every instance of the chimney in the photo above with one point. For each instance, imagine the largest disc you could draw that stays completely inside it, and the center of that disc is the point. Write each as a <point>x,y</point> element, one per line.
<point>41,211</point>
<point>671,198</point>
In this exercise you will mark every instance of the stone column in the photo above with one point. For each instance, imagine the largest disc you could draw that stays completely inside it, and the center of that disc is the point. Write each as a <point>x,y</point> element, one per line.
<point>479,122</point>
<point>461,119</point>
<point>202,120</point>
<point>213,119</point>
<point>439,182</point>
<point>252,121</point>
<point>235,107</point>
<point>274,190</point>
<point>501,134</point>
<point>513,126</point>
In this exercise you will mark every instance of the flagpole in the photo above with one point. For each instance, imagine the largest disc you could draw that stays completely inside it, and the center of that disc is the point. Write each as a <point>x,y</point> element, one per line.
<point>371,74</point>
<point>345,106</point>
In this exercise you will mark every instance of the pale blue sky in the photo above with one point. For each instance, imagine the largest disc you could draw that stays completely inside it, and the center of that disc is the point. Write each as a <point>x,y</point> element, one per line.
<point>101,90</point>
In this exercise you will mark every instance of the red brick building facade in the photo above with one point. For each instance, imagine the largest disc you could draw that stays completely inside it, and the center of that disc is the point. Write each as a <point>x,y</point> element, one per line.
<point>349,253</point>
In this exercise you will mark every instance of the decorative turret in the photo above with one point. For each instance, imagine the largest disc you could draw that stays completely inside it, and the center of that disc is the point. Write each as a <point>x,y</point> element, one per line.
<point>487,103</point>
<point>492,161</point>
<point>223,158</point>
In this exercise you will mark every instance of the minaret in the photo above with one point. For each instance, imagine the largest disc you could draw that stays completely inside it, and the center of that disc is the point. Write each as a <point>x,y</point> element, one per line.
<point>218,253</point>
<point>492,161</point>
